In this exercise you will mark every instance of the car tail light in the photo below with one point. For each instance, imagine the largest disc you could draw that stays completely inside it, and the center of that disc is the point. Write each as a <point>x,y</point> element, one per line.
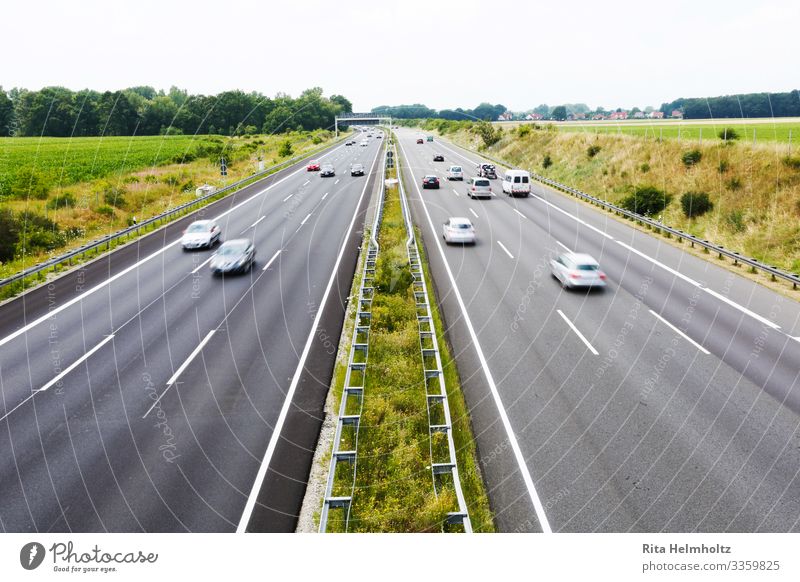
<point>602,276</point>
<point>574,275</point>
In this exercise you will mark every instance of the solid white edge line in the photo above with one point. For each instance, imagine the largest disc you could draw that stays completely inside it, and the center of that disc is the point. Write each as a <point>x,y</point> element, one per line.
<point>659,264</point>
<point>179,371</point>
<point>523,467</point>
<point>578,333</point>
<point>272,260</point>
<point>76,363</point>
<point>741,308</point>
<point>563,246</point>
<point>276,431</point>
<point>502,246</point>
<point>201,265</point>
<point>127,270</point>
<point>679,332</point>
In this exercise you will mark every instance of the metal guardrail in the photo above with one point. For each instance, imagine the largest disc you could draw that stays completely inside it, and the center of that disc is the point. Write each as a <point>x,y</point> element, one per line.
<point>721,251</point>
<point>158,219</point>
<point>345,440</point>
<point>438,409</point>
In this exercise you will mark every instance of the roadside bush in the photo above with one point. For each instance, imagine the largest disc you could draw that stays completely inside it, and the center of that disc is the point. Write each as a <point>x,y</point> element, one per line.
<point>316,140</point>
<point>37,233</point>
<point>105,211</point>
<point>131,180</point>
<point>723,166</point>
<point>285,150</point>
<point>733,184</point>
<point>647,200</point>
<point>547,161</point>
<point>592,151</point>
<point>150,179</point>
<point>691,158</point>
<point>728,134</point>
<point>29,184</point>
<point>792,162</point>
<point>9,235</point>
<point>523,130</point>
<point>696,204</point>
<point>188,186</point>
<point>488,133</point>
<point>171,180</point>
<point>644,168</point>
<point>114,196</point>
<point>735,220</point>
<point>61,201</point>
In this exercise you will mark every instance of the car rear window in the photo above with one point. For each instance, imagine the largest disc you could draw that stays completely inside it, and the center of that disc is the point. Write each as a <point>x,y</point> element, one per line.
<point>587,267</point>
<point>481,182</point>
<point>462,226</point>
<point>455,169</point>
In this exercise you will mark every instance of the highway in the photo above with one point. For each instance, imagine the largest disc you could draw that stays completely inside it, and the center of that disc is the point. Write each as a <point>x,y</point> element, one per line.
<point>140,393</point>
<point>667,402</point>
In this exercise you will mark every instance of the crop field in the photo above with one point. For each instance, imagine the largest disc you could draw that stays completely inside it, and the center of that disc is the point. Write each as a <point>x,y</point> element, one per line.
<point>762,131</point>
<point>65,161</point>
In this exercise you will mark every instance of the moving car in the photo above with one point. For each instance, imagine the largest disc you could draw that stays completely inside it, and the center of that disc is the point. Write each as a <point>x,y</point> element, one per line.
<point>517,182</point>
<point>429,138</point>
<point>438,158</point>
<point>455,173</point>
<point>234,256</point>
<point>349,142</point>
<point>327,171</point>
<point>364,143</point>
<point>313,166</point>
<point>458,230</point>
<point>479,188</point>
<point>487,171</point>
<point>430,181</point>
<point>201,234</point>
<point>357,170</point>
<point>420,140</point>
<point>577,270</point>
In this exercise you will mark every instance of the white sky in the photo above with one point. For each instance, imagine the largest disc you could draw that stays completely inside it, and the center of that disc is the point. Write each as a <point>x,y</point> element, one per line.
<point>441,53</point>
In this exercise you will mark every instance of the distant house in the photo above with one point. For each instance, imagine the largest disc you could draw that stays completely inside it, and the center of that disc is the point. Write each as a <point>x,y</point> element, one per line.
<point>618,115</point>
<point>507,116</point>
<point>677,114</point>
<point>656,115</point>
<point>534,116</point>
<point>598,116</point>
<point>638,115</point>
<point>579,116</point>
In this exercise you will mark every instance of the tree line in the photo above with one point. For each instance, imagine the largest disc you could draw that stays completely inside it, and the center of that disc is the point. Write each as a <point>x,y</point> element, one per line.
<point>738,106</point>
<point>60,112</point>
<point>483,112</point>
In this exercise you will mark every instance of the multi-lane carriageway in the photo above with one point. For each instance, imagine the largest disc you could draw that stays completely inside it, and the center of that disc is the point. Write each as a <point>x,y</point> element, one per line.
<point>142,394</point>
<point>668,402</point>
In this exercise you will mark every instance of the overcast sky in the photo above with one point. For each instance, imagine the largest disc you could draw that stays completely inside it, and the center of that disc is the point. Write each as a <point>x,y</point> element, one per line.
<point>440,53</point>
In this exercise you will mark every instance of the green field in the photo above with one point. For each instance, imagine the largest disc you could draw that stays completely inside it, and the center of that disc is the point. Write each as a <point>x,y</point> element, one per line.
<point>64,161</point>
<point>766,131</point>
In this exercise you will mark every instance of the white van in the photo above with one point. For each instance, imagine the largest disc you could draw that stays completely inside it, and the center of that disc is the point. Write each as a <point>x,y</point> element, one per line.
<point>517,182</point>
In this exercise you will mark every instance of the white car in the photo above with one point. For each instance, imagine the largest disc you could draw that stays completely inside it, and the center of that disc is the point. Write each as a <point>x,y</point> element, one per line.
<point>364,143</point>
<point>201,234</point>
<point>577,270</point>
<point>455,173</point>
<point>517,183</point>
<point>458,230</point>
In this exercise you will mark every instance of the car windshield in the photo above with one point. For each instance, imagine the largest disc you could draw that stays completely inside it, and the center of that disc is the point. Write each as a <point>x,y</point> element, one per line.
<point>231,250</point>
<point>586,267</point>
<point>197,227</point>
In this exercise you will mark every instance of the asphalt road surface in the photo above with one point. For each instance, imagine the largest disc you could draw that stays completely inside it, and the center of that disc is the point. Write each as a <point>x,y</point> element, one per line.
<point>140,393</point>
<point>667,402</point>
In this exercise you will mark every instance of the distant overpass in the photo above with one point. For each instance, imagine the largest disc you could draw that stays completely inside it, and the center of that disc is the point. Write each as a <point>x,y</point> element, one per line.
<point>361,119</point>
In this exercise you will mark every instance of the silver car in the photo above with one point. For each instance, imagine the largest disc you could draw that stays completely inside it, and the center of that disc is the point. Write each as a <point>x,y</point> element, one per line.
<point>455,173</point>
<point>201,234</point>
<point>234,256</point>
<point>458,230</point>
<point>577,270</point>
<point>479,188</point>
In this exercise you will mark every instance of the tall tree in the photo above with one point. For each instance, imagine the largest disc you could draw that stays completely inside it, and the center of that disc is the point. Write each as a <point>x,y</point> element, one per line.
<point>6,113</point>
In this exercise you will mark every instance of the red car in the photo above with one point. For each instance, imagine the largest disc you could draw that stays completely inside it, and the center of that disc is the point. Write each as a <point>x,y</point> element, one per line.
<point>420,140</point>
<point>313,166</point>
<point>430,182</point>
